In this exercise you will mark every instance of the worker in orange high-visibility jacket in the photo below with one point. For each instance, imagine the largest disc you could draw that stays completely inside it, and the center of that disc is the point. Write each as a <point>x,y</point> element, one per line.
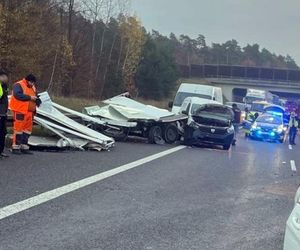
<point>23,103</point>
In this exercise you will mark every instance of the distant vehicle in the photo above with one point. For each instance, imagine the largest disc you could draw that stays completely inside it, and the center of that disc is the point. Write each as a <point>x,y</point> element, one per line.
<point>205,92</point>
<point>209,123</point>
<point>268,127</point>
<point>292,231</point>
<point>256,95</point>
<point>258,106</point>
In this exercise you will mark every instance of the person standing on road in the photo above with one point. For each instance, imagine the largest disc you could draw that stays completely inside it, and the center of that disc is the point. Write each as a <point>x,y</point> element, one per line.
<point>293,128</point>
<point>3,111</point>
<point>236,121</point>
<point>23,103</point>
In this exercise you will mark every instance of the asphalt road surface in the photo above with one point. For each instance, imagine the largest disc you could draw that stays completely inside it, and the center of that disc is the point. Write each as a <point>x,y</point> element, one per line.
<point>141,196</point>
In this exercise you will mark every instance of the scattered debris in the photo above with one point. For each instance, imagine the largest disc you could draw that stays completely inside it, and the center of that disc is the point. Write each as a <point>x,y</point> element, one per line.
<point>136,119</point>
<point>69,133</point>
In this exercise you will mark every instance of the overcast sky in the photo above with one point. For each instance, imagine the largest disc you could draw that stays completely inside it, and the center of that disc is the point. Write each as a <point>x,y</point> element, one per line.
<point>273,24</point>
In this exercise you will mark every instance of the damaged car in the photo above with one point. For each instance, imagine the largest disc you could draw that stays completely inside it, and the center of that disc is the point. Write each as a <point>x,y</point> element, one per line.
<point>209,123</point>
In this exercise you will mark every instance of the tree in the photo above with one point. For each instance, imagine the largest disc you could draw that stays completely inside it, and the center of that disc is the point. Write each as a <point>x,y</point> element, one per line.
<point>134,35</point>
<point>157,73</point>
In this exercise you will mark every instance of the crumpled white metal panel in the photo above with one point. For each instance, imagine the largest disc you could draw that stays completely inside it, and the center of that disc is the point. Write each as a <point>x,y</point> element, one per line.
<point>136,110</point>
<point>52,118</point>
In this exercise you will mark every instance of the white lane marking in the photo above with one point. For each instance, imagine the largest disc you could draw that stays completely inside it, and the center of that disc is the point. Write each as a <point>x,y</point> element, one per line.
<point>290,147</point>
<point>55,193</point>
<point>293,165</point>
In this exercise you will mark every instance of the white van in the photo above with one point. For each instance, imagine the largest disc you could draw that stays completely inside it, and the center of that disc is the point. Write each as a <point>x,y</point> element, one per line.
<point>195,90</point>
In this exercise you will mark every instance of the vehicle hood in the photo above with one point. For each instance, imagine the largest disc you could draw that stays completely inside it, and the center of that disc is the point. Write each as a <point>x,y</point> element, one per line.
<point>213,115</point>
<point>215,111</point>
<point>267,125</point>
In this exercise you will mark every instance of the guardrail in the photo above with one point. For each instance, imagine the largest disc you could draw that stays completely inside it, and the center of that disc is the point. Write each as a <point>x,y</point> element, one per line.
<point>240,72</point>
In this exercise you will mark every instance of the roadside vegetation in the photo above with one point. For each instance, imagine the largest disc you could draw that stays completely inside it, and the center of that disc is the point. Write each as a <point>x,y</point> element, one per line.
<point>95,49</point>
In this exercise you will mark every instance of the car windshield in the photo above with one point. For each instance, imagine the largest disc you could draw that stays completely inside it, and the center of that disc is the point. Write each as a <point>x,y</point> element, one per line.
<point>214,110</point>
<point>258,107</point>
<point>276,120</point>
<point>251,99</point>
<point>181,96</point>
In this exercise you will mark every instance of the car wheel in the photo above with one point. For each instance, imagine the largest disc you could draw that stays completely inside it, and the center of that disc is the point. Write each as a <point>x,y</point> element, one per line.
<point>117,135</point>
<point>171,134</point>
<point>155,135</point>
<point>226,147</point>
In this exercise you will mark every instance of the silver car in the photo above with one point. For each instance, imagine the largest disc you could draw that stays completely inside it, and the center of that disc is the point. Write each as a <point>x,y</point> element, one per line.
<point>292,232</point>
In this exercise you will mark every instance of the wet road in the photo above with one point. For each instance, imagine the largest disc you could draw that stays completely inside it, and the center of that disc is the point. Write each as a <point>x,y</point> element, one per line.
<point>169,197</point>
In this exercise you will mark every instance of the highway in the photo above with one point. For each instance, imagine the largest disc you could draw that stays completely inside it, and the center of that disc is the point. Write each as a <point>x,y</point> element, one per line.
<point>142,196</point>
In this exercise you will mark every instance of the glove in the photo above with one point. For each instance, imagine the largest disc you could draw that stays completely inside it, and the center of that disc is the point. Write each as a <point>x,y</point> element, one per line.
<point>38,102</point>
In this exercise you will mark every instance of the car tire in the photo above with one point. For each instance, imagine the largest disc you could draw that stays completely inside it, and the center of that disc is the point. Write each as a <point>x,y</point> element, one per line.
<point>226,147</point>
<point>156,135</point>
<point>117,135</point>
<point>171,134</point>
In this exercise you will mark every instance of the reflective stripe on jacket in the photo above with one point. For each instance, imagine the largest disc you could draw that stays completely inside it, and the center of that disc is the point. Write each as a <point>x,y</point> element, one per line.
<point>293,123</point>
<point>23,106</point>
<point>3,99</point>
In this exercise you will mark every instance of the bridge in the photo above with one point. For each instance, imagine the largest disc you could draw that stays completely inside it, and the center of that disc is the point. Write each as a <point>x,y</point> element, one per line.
<point>235,80</point>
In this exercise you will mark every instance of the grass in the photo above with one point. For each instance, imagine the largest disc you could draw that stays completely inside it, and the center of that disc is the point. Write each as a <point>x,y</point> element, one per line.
<point>160,104</point>
<point>75,103</point>
<point>79,103</point>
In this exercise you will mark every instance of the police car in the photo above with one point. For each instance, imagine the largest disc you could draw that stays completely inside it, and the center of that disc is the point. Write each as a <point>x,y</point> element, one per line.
<point>268,126</point>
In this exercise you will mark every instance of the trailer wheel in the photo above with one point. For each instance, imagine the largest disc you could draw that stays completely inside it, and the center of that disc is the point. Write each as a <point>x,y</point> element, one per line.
<point>171,133</point>
<point>155,135</point>
<point>117,135</point>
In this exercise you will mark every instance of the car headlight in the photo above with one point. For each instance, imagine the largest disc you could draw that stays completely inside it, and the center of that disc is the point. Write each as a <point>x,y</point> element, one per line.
<point>280,129</point>
<point>230,130</point>
<point>254,126</point>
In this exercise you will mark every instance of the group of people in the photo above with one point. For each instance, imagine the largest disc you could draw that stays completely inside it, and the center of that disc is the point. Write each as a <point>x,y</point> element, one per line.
<point>23,103</point>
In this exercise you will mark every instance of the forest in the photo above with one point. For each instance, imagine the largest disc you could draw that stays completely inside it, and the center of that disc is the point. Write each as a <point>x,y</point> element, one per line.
<point>98,48</point>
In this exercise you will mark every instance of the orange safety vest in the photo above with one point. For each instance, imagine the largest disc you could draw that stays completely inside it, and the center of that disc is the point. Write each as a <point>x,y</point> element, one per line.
<point>23,107</point>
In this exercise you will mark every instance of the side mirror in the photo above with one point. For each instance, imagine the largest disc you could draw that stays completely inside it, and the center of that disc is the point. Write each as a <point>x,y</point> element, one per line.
<point>184,112</point>
<point>170,104</point>
<point>214,98</point>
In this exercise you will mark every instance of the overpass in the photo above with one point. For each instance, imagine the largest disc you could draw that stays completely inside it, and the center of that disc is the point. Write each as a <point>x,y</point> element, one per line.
<point>235,80</point>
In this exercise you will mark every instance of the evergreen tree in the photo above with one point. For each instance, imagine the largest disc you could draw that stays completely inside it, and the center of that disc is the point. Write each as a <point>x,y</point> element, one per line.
<point>157,73</point>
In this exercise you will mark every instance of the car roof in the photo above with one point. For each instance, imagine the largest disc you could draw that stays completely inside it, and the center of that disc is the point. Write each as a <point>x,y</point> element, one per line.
<point>261,102</point>
<point>196,88</point>
<point>197,100</point>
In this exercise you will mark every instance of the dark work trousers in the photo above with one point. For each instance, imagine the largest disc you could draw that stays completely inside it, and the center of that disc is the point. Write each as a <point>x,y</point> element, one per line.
<point>292,134</point>
<point>3,132</point>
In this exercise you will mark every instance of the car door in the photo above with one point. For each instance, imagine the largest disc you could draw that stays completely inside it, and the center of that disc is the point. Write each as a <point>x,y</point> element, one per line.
<point>292,232</point>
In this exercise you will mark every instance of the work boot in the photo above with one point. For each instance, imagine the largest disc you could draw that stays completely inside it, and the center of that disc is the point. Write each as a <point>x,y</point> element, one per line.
<point>3,155</point>
<point>25,149</point>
